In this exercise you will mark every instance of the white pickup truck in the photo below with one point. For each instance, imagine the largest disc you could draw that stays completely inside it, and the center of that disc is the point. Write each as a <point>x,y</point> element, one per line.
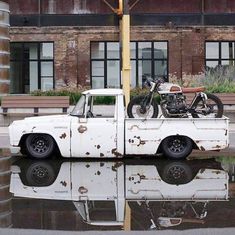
<point>89,131</point>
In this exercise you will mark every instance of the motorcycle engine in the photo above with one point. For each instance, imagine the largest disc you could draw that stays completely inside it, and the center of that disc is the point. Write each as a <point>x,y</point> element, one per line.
<point>174,104</point>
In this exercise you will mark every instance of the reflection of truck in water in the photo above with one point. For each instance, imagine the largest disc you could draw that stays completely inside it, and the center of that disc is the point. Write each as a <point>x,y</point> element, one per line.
<point>100,190</point>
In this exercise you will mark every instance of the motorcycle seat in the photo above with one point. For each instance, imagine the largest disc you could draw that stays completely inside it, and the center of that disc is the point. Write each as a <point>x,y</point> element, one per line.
<point>193,89</point>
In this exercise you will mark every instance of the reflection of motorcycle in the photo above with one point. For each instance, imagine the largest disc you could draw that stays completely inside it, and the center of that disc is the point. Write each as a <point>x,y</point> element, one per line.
<point>173,102</point>
<point>174,213</point>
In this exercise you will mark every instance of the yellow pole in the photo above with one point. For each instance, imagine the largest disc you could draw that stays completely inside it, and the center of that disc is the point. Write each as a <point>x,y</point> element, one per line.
<point>127,220</point>
<point>125,42</point>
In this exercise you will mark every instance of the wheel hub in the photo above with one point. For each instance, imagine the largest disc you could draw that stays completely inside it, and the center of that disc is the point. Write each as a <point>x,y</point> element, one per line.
<point>39,145</point>
<point>177,145</point>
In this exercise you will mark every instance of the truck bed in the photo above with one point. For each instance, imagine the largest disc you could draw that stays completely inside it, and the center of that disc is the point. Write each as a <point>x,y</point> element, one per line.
<point>144,136</point>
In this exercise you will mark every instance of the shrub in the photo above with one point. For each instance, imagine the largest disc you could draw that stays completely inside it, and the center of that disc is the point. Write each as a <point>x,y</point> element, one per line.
<point>74,95</point>
<point>218,80</point>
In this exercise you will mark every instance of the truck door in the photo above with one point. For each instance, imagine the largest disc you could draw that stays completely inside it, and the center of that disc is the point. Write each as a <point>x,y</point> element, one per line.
<point>95,134</point>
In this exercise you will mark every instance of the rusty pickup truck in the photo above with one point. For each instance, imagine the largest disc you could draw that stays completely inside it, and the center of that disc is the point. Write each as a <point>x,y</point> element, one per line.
<point>92,130</point>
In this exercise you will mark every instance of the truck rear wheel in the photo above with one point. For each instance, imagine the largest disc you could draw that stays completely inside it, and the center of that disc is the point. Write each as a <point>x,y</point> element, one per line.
<point>177,147</point>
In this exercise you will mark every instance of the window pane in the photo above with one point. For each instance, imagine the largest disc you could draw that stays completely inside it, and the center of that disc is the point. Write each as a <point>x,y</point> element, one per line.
<point>133,50</point>
<point>227,50</point>
<point>160,50</point>
<point>46,69</point>
<point>16,51</point>
<point>133,74</point>
<point>160,68</point>
<point>46,50</point>
<point>100,107</point>
<point>33,76</point>
<point>212,64</point>
<point>46,83</point>
<point>228,62</point>
<point>102,209</point>
<point>144,71</point>
<point>113,50</point>
<point>16,79</point>
<point>212,50</point>
<point>31,51</point>
<point>97,68</point>
<point>97,50</point>
<point>113,74</point>
<point>97,82</point>
<point>144,50</point>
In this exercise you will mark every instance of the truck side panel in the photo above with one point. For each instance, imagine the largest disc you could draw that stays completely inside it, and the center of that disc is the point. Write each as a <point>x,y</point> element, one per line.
<point>144,136</point>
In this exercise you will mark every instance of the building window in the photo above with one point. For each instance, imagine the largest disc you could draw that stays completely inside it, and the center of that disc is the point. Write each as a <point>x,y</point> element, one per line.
<point>32,67</point>
<point>147,59</point>
<point>220,54</point>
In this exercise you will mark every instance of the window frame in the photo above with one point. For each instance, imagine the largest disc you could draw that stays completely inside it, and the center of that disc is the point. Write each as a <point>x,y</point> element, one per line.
<point>39,60</point>
<point>219,59</point>
<point>137,60</point>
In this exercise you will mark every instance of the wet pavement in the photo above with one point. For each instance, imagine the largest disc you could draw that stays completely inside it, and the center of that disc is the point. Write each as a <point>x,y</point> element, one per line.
<point>136,194</point>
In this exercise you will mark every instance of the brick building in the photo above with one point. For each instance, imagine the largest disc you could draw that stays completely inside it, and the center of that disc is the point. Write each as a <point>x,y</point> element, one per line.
<point>60,43</point>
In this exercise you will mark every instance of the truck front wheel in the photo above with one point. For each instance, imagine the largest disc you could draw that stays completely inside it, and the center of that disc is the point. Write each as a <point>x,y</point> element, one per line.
<point>39,145</point>
<point>177,147</point>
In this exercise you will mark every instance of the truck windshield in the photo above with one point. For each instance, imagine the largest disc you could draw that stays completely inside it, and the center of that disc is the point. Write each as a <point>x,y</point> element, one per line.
<point>79,108</point>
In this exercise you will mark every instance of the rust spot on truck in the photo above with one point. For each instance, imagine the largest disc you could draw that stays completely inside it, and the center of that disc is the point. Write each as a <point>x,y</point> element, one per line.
<point>101,155</point>
<point>82,190</point>
<point>202,170</point>
<point>63,183</point>
<point>98,146</point>
<point>87,165</point>
<point>116,153</point>
<point>116,165</point>
<point>63,136</point>
<point>98,173</point>
<point>82,129</point>
<point>101,164</point>
<point>141,176</point>
<point>87,153</point>
<point>142,142</point>
<point>202,148</point>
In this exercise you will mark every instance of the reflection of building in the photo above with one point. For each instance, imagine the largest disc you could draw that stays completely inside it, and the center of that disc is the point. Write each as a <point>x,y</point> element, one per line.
<point>72,42</point>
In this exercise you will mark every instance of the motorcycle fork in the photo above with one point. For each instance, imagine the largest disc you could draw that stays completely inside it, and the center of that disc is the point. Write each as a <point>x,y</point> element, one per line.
<point>147,101</point>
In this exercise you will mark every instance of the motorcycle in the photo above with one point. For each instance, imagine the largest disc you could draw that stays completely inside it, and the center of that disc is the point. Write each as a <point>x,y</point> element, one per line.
<point>173,102</point>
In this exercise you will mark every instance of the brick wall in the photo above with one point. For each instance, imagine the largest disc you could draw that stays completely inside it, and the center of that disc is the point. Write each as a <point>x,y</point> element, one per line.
<point>72,47</point>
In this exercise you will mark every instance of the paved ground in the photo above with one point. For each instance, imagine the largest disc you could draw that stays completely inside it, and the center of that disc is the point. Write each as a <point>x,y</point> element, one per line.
<point>206,231</point>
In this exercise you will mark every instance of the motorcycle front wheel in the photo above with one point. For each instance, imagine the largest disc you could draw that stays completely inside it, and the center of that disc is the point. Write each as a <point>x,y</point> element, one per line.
<point>137,109</point>
<point>212,109</point>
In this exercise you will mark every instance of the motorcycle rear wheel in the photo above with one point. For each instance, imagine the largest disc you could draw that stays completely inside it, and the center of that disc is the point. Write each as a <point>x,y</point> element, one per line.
<point>213,102</point>
<point>134,109</point>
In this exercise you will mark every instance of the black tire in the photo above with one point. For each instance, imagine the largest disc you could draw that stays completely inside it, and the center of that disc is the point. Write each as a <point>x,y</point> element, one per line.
<point>136,101</point>
<point>213,102</point>
<point>177,173</point>
<point>39,145</point>
<point>177,147</point>
<point>40,174</point>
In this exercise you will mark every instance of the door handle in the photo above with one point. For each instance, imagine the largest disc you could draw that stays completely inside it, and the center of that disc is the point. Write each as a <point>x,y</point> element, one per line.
<point>82,129</point>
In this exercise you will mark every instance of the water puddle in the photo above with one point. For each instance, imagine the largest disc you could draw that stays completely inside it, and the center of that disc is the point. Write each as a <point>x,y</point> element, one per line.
<point>133,194</point>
